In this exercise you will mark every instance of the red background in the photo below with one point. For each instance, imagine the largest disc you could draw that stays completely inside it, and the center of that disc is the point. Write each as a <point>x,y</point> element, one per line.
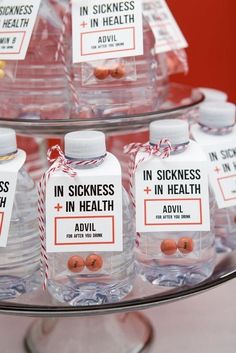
<point>210,29</point>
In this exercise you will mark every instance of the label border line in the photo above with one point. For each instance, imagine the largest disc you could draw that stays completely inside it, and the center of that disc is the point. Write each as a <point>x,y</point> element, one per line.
<point>110,51</point>
<point>21,44</point>
<point>1,224</point>
<point>221,188</point>
<point>84,243</point>
<point>174,224</point>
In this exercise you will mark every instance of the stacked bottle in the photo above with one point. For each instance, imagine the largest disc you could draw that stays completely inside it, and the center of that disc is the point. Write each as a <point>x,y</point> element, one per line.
<point>174,258</point>
<point>36,87</point>
<point>97,277</point>
<point>114,87</point>
<point>215,132</point>
<point>46,85</point>
<point>19,260</point>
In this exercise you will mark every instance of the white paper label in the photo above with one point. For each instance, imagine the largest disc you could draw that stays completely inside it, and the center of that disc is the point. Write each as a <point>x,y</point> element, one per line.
<point>164,26</point>
<point>17,19</point>
<point>106,29</point>
<point>84,213</point>
<point>8,178</point>
<point>222,172</point>
<point>221,153</point>
<point>172,196</point>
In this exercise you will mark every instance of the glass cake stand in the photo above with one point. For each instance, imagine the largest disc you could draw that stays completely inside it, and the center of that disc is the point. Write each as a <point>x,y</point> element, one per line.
<point>66,329</point>
<point>181,99</point>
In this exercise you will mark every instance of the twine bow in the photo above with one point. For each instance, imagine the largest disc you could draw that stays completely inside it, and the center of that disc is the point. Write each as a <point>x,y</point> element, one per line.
<point>62,163</point>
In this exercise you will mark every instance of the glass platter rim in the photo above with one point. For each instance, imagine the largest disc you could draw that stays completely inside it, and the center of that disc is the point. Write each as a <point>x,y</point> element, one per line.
<point>35,310</point>
<point>121,120</point>
<point>127,305</point>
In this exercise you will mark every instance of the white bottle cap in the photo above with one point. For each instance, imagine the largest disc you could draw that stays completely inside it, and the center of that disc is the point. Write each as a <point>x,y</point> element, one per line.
<point>217,114</point>
<point>175,130</point>
<point>212,94</point>
<point>85,144</point>
<point>7,141</point>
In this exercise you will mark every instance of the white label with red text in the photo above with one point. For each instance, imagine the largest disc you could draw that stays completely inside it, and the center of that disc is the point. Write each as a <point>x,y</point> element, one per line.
<point>106,29</point>
<point>17,19</point>
<point>221,153</point>
<point>84,213</point>
<point>8,178</point>
<point>171,196</point>
<point>222,173</point>
<point>164,26</point>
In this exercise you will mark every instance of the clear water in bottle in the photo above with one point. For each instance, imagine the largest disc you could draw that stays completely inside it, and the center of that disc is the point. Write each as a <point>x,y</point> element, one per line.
<point>46,85</point>
<point>113,280</point>
<point>175,258</point>
<point>216,127</point>
<point>121,96</point>
<point>19,261</point>
<point>37,87</point>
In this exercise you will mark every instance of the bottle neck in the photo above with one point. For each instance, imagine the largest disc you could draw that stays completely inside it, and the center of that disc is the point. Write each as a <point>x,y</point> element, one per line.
<point>218,131</point>
<point>176,149</point>
<point>86,163</point>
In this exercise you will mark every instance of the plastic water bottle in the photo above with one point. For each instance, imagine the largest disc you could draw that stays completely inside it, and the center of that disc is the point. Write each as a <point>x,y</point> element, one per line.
<point>46,85</point>
<point>215,127</point>
<point>176,258</point>
<point>113,280</point>
<point>122,96</point>
<point>38,83</point>
<point>210,95</point>
<point>19,260</point>
<point>213,95</point>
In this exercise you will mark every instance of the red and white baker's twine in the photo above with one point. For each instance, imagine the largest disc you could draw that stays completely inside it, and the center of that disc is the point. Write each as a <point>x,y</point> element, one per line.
<point>162,150</point>
<point>61,50</point>
<point>63,164</point>
<point>216,129</point>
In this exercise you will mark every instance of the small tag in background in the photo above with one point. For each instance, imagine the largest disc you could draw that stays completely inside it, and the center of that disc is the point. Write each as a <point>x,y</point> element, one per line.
<point>175,203</point>
<point>106,30</point>
<point>17,19</point>
<point>222,172</point>
<point>84,213</point>
<point>8,179</point>
<point>167,33</point>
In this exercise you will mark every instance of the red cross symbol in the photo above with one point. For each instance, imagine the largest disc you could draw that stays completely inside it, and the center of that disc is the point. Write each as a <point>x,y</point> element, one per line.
<point>58,207</point>
<point>217,170</point>
<point>147,190</point>
<point>83,24</point>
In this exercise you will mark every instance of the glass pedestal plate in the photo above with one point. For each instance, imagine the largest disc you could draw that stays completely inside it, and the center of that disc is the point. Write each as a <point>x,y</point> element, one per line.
<point>80,329</point>
<point>181,100</point>
<point>113,328</point>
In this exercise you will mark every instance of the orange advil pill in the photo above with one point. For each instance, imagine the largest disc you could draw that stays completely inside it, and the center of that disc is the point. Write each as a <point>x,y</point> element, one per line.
<point>168,246</point>
<point>101,73</point>
<point>118,71</point>
<point>2,64</point>
<point>2,73</point>
<point>76,264</point>
<point>185,245</point>
<point>93,262</point>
